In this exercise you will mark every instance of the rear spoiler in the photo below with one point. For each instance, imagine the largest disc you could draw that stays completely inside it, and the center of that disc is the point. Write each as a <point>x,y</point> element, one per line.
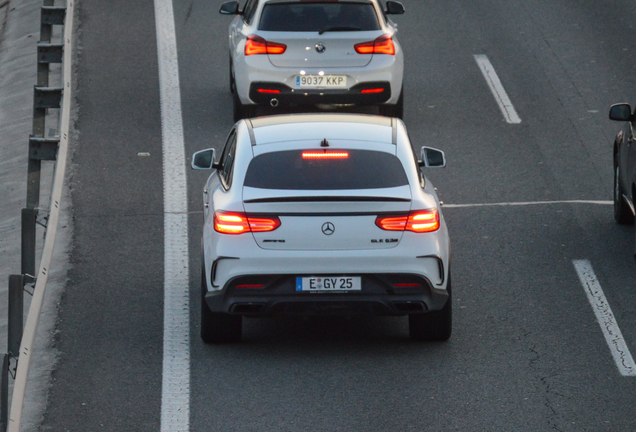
<point>327,199</point>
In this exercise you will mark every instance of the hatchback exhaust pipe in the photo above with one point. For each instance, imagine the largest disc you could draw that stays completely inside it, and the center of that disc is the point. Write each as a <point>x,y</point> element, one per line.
<point>274,102</point>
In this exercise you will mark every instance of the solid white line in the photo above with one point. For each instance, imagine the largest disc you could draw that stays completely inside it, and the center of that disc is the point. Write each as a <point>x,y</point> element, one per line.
<point>175,391</point>
<point>504,204</point>
<point>605,318</point>
<point>497,89</point>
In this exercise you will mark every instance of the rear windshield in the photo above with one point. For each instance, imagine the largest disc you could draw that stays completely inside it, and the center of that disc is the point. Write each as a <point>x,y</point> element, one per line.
<point>317,17</point>
<point>291,170</point>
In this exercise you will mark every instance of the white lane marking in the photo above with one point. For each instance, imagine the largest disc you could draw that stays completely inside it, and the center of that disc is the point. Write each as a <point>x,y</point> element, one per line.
<point>504,204</point>
<point>605,318</point>
<point>175,389</point>
<point>497,89</point>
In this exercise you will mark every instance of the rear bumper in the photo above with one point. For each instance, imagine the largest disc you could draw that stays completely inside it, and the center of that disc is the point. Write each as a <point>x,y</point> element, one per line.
<point>368,93</point>
<point>278,296</point>
<point>258,69</point>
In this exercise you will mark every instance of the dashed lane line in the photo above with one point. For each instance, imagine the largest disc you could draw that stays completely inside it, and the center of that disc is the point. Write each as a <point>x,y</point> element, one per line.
<point>605,317</point>
<point>497,89</point>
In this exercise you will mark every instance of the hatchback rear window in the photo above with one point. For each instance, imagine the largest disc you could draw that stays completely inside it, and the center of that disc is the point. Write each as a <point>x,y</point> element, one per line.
<point>317,17</point>
<point>325,170</point>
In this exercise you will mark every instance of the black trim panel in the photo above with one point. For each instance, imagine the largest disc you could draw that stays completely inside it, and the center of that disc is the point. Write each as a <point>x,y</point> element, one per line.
<point>316,214</point>
<point>294,97</point>
<point>440,263</point>
<point>327,199</point>
<point>214,265</point>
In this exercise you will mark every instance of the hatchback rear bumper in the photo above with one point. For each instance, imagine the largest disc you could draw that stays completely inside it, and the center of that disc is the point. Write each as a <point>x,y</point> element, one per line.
<point>277,94</point>
<point>258,69</point>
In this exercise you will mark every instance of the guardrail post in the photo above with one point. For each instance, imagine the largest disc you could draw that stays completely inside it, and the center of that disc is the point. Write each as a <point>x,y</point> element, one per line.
<point>4,393</point>
<point>29,216</point>
<point>16,314</point>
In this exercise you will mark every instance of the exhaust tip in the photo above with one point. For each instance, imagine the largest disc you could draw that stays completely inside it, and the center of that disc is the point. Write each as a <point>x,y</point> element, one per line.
<point>274,102</point>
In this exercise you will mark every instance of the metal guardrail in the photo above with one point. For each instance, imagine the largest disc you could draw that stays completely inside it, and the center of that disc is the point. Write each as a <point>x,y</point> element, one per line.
<point>20,341</point>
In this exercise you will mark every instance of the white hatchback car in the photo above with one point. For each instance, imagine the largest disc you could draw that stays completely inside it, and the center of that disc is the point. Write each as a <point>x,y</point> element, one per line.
<point>322,214</point>
<point>310,52</point>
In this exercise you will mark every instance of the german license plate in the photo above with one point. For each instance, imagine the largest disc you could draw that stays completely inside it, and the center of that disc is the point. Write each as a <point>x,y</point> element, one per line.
<point>328,283</point>
<point>323,81</point>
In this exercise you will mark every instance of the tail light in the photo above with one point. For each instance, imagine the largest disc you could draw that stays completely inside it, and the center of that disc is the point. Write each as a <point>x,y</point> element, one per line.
<point>258,45</point>
<point>239,223</point>
<point>325,155</point>
<point>382,45</point>
<point>419,221</point>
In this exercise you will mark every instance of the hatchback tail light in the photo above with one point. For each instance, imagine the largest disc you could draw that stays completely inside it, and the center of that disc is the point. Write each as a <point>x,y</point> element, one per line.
<point>239,223</point>
<point>419,221</point>
<point>382,45</point>
<point>258,45</point>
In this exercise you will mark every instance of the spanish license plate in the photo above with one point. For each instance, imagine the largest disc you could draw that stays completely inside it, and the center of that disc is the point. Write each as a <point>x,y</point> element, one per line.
<point>323,81</point>
<point>328,283</point>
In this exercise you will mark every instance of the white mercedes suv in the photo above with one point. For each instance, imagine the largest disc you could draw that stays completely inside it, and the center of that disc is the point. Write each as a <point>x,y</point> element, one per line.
<point>310,52</point>
<point>322,214</point>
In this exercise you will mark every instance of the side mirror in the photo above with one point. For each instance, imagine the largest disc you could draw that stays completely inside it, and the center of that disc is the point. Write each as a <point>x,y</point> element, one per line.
<point>394,8</point>
<point>229,8</point>
<point>432,158</point>
<point>620,112</point>
<point>203,159</point>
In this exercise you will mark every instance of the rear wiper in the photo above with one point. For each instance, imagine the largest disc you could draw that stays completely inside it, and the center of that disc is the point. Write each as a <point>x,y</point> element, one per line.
<point>341,28</point>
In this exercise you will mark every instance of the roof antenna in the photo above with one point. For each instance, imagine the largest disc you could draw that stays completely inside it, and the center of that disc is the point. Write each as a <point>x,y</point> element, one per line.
<point>324,143</point>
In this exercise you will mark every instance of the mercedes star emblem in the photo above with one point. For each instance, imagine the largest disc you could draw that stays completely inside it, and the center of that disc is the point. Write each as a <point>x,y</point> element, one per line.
<point>320,48</point>
<point>328,228</point>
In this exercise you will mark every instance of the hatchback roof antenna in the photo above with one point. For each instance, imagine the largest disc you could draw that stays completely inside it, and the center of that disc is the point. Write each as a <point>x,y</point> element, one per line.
<point>324,143</point>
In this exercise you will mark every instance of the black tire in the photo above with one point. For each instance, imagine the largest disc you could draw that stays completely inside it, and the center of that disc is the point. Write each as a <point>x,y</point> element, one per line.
<point>396,110</point>
<point>433,326</point>
<point>622,212</point>
<point>242,111</point>
<point>218,327</point>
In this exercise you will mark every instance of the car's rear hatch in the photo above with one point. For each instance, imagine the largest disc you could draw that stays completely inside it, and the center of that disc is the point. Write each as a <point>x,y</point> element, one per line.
<point>327,198</point>
<point>339,52</point>
<point>319,34</point>
<point>327,220</point>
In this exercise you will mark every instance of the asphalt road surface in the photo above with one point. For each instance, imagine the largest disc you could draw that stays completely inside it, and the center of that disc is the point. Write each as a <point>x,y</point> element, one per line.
<point>527,352</point>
